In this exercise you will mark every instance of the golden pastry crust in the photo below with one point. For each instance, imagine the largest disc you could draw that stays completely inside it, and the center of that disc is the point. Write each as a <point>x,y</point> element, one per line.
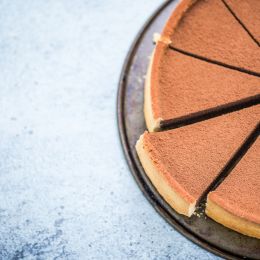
<point>152,123</point>
<point>232,221</point>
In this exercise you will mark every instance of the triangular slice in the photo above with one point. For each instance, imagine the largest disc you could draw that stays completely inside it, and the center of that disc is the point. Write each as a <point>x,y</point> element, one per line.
<point>182,163</point>
<point>236,202</point>
<point>207,28</point>
<point>180,87</point>
<point>248,12</point>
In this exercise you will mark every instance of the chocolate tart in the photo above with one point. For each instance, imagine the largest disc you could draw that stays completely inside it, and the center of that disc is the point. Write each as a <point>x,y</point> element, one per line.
<point>203,82</point>
<point>199,228</point>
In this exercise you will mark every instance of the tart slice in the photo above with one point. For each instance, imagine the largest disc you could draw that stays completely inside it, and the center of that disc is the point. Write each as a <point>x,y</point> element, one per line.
<point>248,13</point>
<point>236,202</point>
<point>182,163</point>
<point>179,88</point>
<point>207,28</point>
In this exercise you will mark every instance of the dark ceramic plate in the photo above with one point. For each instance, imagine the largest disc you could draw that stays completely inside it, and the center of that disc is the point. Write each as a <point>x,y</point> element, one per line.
<point>203,231</point>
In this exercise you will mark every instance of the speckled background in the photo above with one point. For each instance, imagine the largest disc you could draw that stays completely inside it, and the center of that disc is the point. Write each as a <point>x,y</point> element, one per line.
<point>65,189</point>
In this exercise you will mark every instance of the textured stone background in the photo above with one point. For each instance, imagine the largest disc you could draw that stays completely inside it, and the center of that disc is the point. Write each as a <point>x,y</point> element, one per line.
<point>65,189</point>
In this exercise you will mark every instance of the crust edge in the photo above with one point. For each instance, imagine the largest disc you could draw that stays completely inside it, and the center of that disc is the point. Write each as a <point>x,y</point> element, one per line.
<point>231,221</point>
<point>152,123</point>
<point>173,198</point>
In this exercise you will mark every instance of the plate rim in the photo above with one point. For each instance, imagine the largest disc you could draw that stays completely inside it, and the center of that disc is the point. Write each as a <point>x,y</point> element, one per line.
<point>128,153</point>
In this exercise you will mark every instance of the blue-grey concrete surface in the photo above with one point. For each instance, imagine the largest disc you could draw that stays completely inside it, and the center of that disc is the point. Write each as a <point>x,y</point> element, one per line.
<point>65,189</point>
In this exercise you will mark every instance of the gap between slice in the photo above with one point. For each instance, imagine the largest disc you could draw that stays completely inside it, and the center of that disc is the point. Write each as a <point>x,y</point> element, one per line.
<point>208,30</point>
<point>235,202</point>
<point>247,13</point>
<point>180,89</point>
